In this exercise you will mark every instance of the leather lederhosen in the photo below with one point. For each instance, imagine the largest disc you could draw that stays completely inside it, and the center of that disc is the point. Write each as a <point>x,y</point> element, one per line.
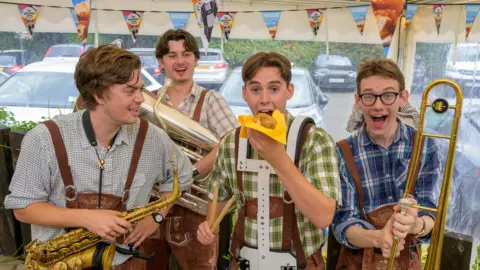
<point>278,208</point>
<point>90,200</point>
<point>372,258</point>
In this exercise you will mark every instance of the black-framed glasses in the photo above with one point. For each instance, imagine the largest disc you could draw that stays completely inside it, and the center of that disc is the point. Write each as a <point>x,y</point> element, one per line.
<point>387,98</point>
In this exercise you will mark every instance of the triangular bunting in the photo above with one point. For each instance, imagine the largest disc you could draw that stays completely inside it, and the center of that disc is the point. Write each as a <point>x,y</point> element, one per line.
<point>81,16</point>
<point>359,14</point>
<point>411,10</point>
<point>134,21</point>
<point>471,14</point>
<point>438,15</point>
<point>29,16</point>
<point>226,20</point>
<point>387,15</point>
<point>271,19</point>
<point>315,17</point>
<point>179,19</point>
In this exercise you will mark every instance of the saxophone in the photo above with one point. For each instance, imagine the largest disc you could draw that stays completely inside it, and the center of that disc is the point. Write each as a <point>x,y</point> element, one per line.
<point>76,249</point>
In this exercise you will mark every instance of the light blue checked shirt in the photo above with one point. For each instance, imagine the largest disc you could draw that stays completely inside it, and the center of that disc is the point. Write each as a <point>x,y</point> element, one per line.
<point>383,174</point>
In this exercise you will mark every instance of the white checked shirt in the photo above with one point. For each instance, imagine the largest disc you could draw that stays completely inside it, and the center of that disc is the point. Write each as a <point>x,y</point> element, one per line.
<point>216,115</point>
<point>37,176</point>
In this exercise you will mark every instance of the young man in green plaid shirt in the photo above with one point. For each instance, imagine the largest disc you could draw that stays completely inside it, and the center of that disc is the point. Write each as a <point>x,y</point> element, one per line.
<point>314,186</point>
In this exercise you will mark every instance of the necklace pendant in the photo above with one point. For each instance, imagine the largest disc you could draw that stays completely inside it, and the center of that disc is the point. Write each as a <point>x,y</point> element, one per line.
<point>101,163</point>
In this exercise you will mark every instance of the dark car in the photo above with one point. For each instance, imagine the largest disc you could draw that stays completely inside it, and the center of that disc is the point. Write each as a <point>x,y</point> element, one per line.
<point>463,213</point>
<point>308,99</point>
<point>150,63</point>
<point>66,50</point>
<point>334,73</point>
<point>12,61</point>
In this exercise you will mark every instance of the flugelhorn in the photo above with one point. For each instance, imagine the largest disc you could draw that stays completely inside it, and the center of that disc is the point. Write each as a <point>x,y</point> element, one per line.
<point>439,106</point>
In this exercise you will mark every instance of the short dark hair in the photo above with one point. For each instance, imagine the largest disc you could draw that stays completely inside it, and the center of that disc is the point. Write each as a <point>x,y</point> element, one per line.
<point>267,59</point>
<point>176,35</point>
<point>382,67</point>
<point>99,68</point>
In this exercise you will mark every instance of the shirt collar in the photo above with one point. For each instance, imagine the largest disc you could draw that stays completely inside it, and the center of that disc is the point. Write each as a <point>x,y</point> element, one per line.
<point>123,136</point>
<point>365,140</point>
<point>194,94</point>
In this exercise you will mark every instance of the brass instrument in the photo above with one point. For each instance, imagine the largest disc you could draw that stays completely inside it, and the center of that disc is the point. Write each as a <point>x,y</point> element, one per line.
<point>76,249</point>
<point>187,135</point>
<point>439,106</point>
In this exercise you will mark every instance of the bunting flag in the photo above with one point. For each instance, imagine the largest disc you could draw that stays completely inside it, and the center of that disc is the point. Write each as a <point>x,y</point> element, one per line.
<point>471,14</point>
<point>29,14</point>
<point>315,17</point>
<point>206,14</point>
<point>179,19</point>
<point>81,16</point>
<point>271,19</point>
<point>438,15</point>
<point>411,10</point>
<point>387,15</point>
<point>359,14</point>
<point>134,21</point>
<point>226,20</point>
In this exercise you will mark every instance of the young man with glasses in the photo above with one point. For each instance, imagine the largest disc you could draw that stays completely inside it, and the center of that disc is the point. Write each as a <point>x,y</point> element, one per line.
<point>373,165</point>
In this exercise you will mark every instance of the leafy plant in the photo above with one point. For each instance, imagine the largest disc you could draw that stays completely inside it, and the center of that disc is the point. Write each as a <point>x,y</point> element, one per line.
<point>476,264</point>
<point>7,119</point>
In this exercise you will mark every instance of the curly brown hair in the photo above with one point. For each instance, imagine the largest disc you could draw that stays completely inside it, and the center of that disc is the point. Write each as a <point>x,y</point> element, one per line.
<point>267,59</point>
<point>191,44</point>
<point>100,68</point>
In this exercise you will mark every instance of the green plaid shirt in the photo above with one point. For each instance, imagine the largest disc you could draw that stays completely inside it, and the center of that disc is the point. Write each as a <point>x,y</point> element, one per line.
<point>318,163</point>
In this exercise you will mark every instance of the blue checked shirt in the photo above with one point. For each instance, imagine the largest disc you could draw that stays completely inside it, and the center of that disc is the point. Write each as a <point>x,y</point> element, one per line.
<point>383,174</point>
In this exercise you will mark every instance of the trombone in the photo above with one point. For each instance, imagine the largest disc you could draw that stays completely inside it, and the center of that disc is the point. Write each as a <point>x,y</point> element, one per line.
<point>438,106</point>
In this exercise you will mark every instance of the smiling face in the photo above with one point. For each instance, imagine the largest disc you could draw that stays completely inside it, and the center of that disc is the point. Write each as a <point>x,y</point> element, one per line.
<point>121,102</point>
<point>267,91</point>
<point>381,119</point>
<point>179,63</point>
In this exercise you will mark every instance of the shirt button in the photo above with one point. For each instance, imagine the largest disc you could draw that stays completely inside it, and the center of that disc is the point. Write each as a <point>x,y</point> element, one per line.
<point>387,175</point>
<point>390,198</point>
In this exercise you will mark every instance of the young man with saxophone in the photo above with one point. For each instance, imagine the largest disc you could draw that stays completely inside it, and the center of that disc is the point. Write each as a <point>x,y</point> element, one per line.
<point>284,207</point>
<point>373,165</point>
<point>177,52</point>
<point>81,170</point>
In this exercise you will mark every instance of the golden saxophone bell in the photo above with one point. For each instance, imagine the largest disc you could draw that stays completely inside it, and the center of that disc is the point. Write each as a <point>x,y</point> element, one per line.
<point>438,106</point>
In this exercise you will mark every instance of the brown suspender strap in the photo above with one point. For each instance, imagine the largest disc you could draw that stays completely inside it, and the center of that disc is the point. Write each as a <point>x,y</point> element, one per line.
<point>290,232</point>
<point>198,108</point>
<point>137,151</point>
<point>352,168</point>
<point>62,158</point>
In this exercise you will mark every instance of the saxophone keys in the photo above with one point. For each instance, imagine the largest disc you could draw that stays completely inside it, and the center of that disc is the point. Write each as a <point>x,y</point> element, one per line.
<point>60,266</point>
<point>75,264</point>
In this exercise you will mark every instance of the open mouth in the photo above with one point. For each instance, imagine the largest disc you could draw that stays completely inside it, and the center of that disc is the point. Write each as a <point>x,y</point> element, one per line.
<point>135,111</point>
<point>266,112</point>
<point>379,121</point>
<point>181,71</point>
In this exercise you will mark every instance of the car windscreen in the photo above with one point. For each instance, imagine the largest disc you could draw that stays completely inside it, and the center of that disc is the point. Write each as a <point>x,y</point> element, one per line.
<point>232,91</point>
<point>210,56</point>
<point>148,60</point>
<point>64,51</point>
<point>39,89</point>
<point>332,60</point>
<point>7,60</point>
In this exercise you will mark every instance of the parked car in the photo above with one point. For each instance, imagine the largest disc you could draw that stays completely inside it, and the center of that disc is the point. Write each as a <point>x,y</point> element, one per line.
<point>334,73</point>
<point>465,70</point>
<point>212,69</point>
<point>463,213</point>
<point>308,99</point>
<point>3,77</point>
<point>66,50</point>
<point>150,63</point>
<point>12,61</point>
<point>46,89</point>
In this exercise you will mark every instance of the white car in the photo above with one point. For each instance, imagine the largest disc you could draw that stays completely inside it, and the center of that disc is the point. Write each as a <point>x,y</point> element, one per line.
<point>46,89</point>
